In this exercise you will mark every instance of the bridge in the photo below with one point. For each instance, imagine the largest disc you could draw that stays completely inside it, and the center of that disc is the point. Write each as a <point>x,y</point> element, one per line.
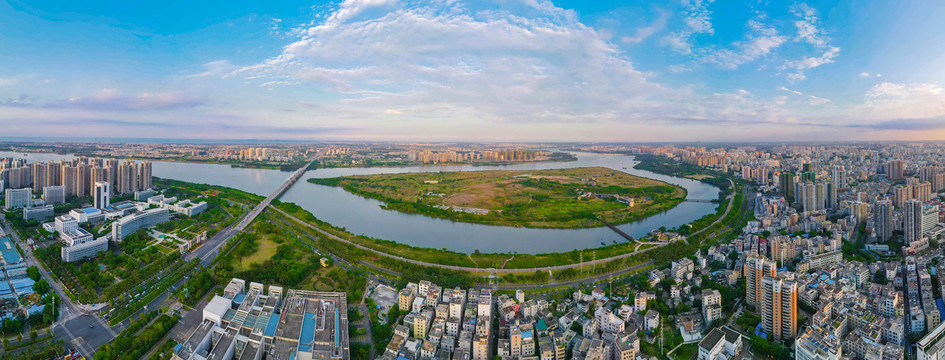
<point>209,250</point>
<point>701,200</point>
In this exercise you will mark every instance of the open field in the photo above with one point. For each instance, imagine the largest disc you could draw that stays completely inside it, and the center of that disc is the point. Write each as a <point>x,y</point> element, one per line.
<point>560,198</point>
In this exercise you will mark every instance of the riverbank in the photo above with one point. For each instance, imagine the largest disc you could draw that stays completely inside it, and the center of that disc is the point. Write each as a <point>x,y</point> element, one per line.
<point>558,198</point>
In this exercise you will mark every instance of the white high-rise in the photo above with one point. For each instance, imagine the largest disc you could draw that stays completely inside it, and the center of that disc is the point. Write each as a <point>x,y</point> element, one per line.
<point>102,194</point>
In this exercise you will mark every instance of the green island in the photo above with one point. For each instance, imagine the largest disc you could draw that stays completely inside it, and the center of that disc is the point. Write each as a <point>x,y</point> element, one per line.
<point>558,198</point>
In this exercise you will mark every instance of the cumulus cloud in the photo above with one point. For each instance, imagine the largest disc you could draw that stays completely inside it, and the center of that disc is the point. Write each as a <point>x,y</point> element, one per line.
<point>535,63</point>
<point>698,20</point>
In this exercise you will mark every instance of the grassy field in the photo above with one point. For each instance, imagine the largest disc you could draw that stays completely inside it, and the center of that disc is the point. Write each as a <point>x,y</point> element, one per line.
<point>265,250</point>
<point>538,199</point>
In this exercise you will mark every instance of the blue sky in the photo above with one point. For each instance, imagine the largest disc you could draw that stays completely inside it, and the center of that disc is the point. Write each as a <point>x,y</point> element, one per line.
<point>502,70</point>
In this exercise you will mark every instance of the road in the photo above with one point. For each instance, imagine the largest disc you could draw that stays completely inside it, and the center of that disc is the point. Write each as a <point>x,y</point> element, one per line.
<point>85,330</point>
<point>489,270</point>
<point>81,328</point>
<point>211,247</point>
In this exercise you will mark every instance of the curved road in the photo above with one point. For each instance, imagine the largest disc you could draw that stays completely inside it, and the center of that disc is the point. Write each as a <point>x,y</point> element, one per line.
<point>494,270</point>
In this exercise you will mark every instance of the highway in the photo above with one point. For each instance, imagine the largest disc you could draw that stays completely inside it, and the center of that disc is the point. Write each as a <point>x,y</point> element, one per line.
<point>211,247</point>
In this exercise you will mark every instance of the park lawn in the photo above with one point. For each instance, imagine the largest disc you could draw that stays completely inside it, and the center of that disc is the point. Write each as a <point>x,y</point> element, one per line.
<point>538,199</point>
<point>267,248</point>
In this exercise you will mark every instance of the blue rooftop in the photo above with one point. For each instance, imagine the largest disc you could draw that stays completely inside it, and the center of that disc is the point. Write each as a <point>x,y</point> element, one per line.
<point>308,332</point>
<point>239,298</point>
<point>272,325</point>
<point>941,307</point>
<point>90,211</point>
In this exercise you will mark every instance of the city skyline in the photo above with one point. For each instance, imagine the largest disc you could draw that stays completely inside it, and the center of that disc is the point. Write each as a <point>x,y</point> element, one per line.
<point>631,71</point>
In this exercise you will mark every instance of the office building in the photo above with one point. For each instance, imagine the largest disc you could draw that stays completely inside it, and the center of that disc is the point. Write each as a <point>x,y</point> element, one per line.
<point>38,213</point>
<point>779,308</point>
<point>18,198</point>
<point>54,195</point>
<point>78,243</point>
<point>101,194</point>
<point>127,225</point>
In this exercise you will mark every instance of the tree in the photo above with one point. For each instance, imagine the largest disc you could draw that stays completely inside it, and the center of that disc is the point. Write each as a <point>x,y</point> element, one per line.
<point>41,287</point>
<point>33,335</point>
<point>33,273</point>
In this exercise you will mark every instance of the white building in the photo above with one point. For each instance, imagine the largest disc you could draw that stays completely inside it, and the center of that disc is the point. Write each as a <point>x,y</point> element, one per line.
<point>932,346</point>
<point>18,198</point>
<point>720,343</point>
<point>102,194</point>
<point>188,208</point>
<point>127,225</point>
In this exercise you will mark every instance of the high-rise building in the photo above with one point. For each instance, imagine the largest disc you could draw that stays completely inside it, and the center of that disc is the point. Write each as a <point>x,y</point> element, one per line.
<point>894,169</point>
<point>39,176</point>
<point>779,308</point>
<point>832,200</point>
<point>144,175</point>
<point>882,220</point>
<point>101,194</point>
<point>839,176</point>
<point>786,184</point>
<point>756,268</point>
<point>912,221</point>
<point>922,191</point>
<point>929,217</point>
<point>903,193</point>
<point>68,179</point>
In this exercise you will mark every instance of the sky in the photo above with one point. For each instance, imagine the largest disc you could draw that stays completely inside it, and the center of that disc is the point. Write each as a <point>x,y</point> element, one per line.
<point>499,70</point>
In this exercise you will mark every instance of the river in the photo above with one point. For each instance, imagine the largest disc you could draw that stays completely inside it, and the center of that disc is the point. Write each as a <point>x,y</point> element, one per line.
<point>366,217</point>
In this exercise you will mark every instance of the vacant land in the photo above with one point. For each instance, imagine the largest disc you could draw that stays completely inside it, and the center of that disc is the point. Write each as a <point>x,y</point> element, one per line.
<point>561,198</point>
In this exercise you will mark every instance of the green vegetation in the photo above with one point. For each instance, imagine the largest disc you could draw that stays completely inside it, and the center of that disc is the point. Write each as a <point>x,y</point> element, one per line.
<point>540,199</point>
<point>133,342</point>
<point>196,287</point>
<point>171,277</point>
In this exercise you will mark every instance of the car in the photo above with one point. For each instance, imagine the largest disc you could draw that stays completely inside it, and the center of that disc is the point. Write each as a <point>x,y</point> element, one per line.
<point>91,326</point>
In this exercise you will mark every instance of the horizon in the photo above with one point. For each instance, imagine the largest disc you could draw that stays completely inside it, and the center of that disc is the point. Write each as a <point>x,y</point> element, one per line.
<point>505,71</point>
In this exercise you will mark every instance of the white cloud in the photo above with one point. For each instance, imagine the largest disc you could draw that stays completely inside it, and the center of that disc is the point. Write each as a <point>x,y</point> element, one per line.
<point>906,100</point>
<point>818,101</point>
<point>5,81</point>
<point>216,68</point>
<point>113,99</point>
<point>760,41</point>
<point>808,26</point>
<point>647,31</point>
<point>392,112</point>
<point>790,91</point>
<point>809,31</point>
<point>799,67</point>
<point>445,62</point>
<point>698,20</point>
